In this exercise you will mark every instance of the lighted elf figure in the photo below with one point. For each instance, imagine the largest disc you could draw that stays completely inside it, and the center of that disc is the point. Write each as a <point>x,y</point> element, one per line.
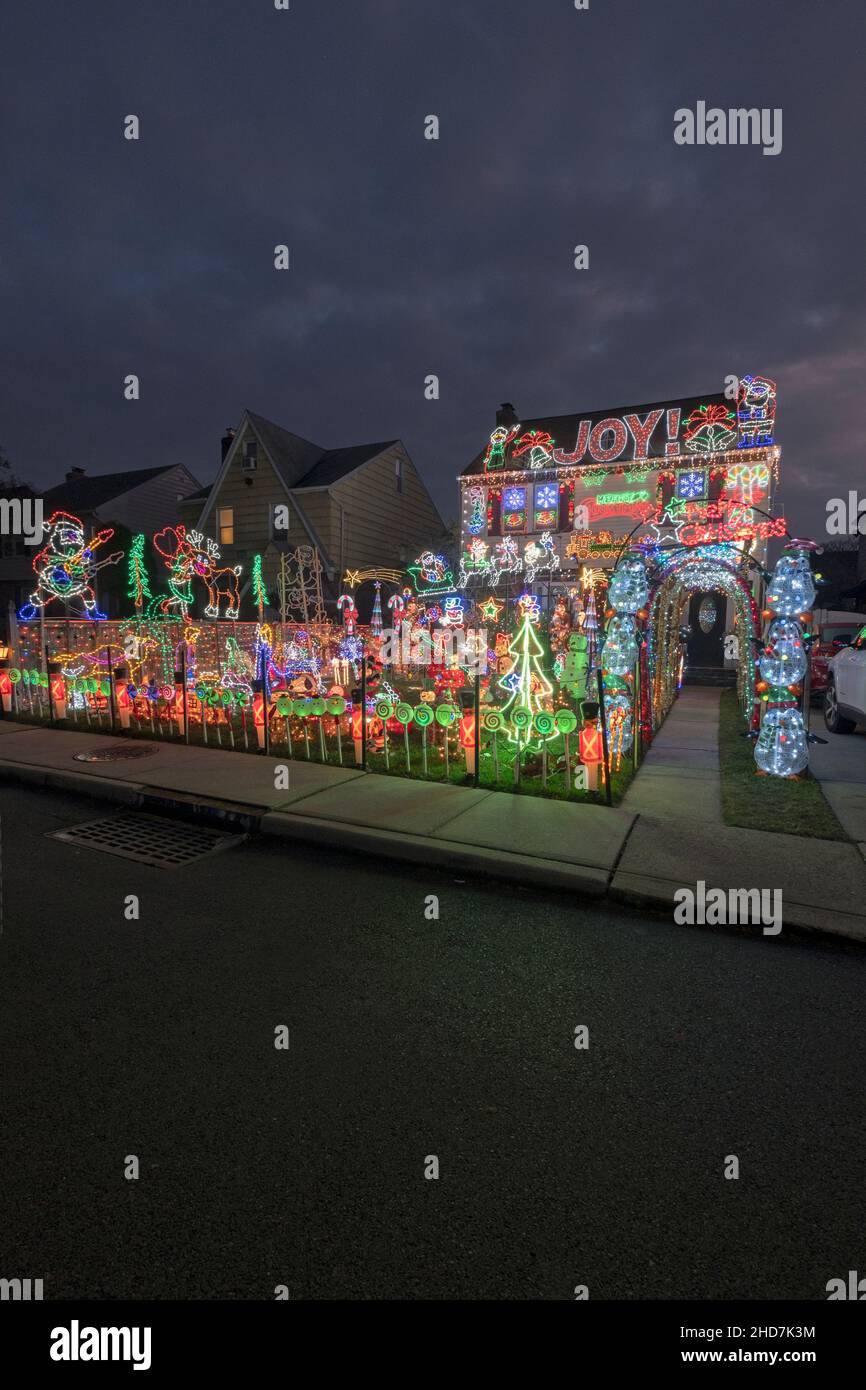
<point>591,744</point>
<point>260,593</point>
<point>525,682</point>
<point>376,617</point>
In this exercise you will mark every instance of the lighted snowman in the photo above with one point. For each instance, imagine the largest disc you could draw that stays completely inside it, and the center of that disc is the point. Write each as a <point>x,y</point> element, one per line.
<point>620,651</point>
<point>783,661</point>
<point>629,590</point>
<point>782,748</point>
<point>792,588</point>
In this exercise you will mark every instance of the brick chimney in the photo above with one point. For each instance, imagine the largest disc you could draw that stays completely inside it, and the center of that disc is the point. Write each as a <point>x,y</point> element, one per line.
<point>227,440</point>
<point>507,415</point>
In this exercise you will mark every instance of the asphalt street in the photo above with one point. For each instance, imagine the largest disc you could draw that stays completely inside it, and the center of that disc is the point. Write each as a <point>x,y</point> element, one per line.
<point>409,1038</point>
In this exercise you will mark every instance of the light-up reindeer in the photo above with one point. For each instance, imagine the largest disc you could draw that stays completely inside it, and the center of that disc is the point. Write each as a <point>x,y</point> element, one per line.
<point>222,582</point>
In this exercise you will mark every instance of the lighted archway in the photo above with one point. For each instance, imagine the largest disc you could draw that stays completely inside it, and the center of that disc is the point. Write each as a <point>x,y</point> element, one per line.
<point>675,575</point>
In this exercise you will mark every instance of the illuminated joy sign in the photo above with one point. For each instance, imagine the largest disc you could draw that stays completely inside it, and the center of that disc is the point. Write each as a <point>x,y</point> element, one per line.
<point>699,425</point>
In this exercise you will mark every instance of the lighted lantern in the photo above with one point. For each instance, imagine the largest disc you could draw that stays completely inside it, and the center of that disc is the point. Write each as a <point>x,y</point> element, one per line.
<point>466,732</point>
<point>178,711</point>
<point>6,690</point>
<point>590,743</point>
<point>358,732</point>
<point>121,694</point>
<point>259,714</point>
<point>57,687</point>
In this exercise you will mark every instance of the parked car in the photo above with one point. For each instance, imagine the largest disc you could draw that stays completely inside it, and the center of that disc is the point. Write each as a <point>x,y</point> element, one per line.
<point>845,695</point>
<point>822,655</point>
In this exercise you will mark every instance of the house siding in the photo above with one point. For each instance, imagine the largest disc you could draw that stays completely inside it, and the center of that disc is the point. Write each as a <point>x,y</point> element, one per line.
<point>152,505</point>
<point>380,522</point>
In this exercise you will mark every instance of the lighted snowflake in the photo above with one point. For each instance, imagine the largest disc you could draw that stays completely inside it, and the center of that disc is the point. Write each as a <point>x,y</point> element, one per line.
<point>546,496</point>
<point>692,484</point>
<point>514,499</point>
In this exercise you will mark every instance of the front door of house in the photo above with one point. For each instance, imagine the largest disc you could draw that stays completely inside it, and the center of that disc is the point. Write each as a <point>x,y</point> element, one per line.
<point>707,622</point>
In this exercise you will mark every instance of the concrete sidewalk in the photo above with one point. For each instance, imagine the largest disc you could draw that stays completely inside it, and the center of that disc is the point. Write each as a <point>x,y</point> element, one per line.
<point>627,853</point>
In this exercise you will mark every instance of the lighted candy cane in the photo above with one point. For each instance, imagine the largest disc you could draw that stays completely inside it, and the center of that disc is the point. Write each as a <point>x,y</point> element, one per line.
<point>350,616</point>
<point>748,476</point>
<point>423,718</point>
<point>385,709</point>
<point>397,605</point>
<point>492,722</point>
<point>566,723</point>
<point>405,714</point>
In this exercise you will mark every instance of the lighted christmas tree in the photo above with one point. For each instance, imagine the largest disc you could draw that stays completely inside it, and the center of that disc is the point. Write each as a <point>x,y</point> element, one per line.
<point>526,684</point>
<point>376,618</point>
<point>260,593</point>
<point>590,629</point>
<point>139,581</point>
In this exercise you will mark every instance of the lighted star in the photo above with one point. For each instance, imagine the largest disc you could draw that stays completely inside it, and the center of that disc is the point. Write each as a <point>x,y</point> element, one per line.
<point>490,609</point>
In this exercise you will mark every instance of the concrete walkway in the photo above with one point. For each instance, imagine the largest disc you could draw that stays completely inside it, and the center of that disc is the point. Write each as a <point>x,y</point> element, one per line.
<point>666,836</point>
<point>679,778</point>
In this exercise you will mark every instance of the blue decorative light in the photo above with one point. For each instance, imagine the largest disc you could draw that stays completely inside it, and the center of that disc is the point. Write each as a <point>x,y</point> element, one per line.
<point>692,484</point>
<point>514,499</point>
<point>546,496</point>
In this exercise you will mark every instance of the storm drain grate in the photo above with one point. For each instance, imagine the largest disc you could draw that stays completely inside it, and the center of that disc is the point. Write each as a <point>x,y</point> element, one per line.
<point>114,755</point>
<point>154,840</point>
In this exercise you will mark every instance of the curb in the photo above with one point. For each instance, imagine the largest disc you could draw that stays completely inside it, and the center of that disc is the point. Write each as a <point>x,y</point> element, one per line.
<point>616,885</point>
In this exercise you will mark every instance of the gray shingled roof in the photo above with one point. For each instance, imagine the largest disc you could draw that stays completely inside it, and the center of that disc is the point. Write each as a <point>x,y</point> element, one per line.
<point>336,463</point>
<point>291,455</point>
<point>86,494</point>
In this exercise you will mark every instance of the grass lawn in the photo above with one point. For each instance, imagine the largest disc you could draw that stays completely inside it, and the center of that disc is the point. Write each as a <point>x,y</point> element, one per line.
<point>767,803</point>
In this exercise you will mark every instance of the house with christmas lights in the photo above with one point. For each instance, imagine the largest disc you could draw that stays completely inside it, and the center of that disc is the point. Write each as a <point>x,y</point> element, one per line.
<point>358,507</point>
<point>552,503</point>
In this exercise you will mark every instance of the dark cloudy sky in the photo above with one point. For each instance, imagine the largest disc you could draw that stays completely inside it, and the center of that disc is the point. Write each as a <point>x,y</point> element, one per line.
<point>411,257</point>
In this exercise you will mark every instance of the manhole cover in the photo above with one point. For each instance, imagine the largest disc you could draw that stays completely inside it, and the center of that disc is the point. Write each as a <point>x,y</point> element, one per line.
<point>164,844</point>
<point>114,755</point>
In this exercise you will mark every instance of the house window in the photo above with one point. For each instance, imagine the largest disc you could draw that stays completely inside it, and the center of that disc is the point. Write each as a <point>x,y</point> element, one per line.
<point>398,473</point>
<point>514,509</point>
<point>546,506</point>
<point>251,453</point>
<point>226,519</point>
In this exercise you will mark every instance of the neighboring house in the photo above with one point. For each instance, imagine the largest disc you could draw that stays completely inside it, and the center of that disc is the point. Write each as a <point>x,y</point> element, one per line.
<point>16,563</point>
<point>361,506</point>
<point>145,499</point>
